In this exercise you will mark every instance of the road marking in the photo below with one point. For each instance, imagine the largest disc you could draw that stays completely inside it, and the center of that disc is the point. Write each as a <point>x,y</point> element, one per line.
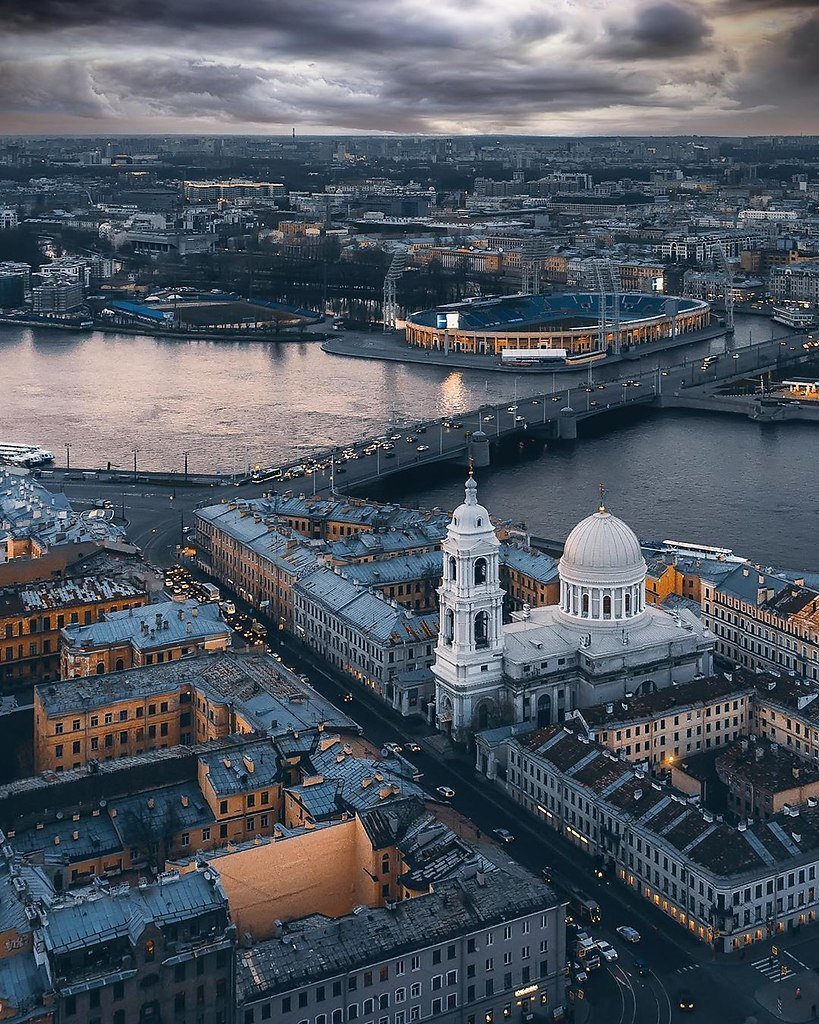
<point>795,960</point>
<point>775,971</point>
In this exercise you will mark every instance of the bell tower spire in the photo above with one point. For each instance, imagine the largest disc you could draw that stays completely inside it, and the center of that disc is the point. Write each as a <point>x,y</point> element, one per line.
<point>469,654</point>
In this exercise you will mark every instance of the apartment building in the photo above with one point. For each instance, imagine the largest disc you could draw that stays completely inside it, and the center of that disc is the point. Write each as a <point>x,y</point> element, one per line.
<point>158,951</point>
<point>379,643</point>
<point>185,702</point>
<point>528,577</point>
<point>33,615</point>
<point>661,728</point>
<point>795,281</point>
<point>34,520</point>
<point>254,555</point>
<point>729,886</point>
<point>764,622</point>
<point>460,938</point>
<point>142,636</point>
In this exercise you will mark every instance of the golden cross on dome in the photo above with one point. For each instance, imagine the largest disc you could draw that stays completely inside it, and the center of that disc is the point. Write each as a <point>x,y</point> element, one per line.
<point>602,507</point>
<point>471,466</point>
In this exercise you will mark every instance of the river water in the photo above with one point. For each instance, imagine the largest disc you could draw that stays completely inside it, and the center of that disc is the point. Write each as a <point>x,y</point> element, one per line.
<point>716,480</point>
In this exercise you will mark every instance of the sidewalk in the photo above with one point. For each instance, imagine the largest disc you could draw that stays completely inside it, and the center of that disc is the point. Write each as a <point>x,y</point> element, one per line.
<point>794,1000</point>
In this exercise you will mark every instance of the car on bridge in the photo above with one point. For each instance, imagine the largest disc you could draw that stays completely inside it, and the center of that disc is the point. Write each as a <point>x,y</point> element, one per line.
<point>628,933</point>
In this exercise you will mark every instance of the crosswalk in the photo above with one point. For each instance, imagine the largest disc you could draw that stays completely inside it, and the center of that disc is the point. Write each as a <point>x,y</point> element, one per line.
<point>776,970</point>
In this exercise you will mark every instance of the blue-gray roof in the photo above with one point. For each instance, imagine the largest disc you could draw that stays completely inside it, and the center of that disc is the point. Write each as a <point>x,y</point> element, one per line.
<point>365,611</point>
<point>55,841</point>
<point>83,921</point>
<point>160,811</point>
<point>531,312</point>
<point>749,584</point>
<point>152,626</point>
<point>250,768</point>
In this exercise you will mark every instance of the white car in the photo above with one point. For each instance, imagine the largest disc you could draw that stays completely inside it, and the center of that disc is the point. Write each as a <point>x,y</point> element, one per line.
<point>628,933</point>
<point>607,951</point>
<point>393,748</point>
<point>446,792</point>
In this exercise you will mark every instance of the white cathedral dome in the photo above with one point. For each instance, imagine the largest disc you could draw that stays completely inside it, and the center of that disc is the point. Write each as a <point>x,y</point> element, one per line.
<point>602,571</point>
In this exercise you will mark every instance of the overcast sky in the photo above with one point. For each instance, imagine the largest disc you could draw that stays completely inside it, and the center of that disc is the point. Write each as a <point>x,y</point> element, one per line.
<point>567,67</point>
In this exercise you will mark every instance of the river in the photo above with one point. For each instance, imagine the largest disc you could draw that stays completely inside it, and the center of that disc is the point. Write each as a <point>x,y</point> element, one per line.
<point>710,479</point>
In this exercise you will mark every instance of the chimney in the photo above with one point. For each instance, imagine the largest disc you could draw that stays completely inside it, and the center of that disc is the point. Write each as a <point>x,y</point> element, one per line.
<point>185,799</point>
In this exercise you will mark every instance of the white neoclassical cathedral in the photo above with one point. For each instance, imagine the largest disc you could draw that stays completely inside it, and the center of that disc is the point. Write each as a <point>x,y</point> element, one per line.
<point>599,644</point>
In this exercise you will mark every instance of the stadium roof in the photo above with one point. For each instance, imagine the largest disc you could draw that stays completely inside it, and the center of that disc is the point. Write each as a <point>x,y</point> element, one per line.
<point>531,312</point>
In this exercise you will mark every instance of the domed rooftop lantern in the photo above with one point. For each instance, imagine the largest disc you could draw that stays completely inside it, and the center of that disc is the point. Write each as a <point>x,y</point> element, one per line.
<point>602,571</point>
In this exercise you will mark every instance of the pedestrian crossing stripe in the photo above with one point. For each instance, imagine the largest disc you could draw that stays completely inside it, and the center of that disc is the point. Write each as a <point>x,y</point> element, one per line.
<point>773,972</point>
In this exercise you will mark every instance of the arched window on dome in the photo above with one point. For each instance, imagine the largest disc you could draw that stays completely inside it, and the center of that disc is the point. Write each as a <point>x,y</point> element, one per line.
<point>585,606</point>
<point>453,568</point>
<point>482,629</point>
<point>607,607</point>
<point>627,605</point>
<point>479,521</point>
<point>480,570</point>
<point>449,632</point>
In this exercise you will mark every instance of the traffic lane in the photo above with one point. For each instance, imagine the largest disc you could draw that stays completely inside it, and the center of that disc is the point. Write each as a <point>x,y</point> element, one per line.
<point>606,995</point>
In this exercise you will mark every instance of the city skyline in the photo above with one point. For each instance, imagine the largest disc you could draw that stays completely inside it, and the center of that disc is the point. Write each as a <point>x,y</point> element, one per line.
<point>726,67</point>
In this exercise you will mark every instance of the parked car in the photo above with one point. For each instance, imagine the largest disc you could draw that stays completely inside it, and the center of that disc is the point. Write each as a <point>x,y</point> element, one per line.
<point>628,933</point>
<point>393,748</point>
<point>503,835</point>
<point>414,748</point>
<point>446,792</point>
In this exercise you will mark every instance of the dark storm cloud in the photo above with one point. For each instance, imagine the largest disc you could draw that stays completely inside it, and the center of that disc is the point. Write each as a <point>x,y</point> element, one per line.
<point>298,27</point>
<point>394,65</point>
<point>658,31</point>
<point>782,73</point>
<point>415,96</point>
<point>773,6</point>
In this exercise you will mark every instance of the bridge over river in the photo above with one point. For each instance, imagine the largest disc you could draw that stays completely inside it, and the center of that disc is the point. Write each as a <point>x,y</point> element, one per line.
<point>553,415</point>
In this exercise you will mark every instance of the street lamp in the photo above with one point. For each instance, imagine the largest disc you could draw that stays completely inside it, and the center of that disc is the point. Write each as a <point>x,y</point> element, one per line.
<point>135,450</point>
<point>185,456</point>
<point>67,455</point>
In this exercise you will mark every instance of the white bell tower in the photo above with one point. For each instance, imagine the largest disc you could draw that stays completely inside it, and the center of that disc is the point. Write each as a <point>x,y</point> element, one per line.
<point>468,665</point>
